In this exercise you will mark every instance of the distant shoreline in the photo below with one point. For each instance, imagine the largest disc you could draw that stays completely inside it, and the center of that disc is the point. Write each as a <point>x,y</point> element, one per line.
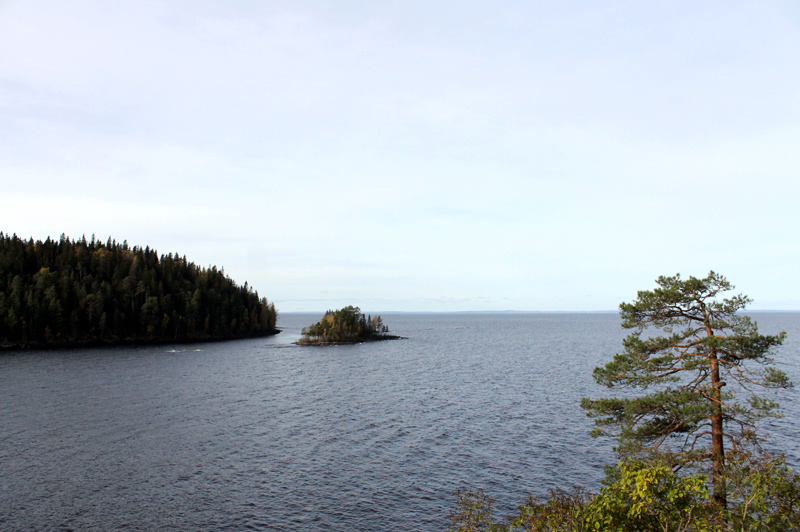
<point>518,311</point>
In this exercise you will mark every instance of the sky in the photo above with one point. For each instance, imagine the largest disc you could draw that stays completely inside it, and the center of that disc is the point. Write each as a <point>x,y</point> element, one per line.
<point>415,156</point>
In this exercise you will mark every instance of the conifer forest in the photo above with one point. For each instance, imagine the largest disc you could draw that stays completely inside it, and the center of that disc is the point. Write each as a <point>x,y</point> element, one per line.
<point>65,292</point>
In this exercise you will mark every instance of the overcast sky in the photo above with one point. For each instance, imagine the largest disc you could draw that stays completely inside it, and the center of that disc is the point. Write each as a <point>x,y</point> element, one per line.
<point>429,156</point>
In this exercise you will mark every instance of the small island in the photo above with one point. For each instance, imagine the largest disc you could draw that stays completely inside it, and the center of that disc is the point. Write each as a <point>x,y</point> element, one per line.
<point>345,326</point>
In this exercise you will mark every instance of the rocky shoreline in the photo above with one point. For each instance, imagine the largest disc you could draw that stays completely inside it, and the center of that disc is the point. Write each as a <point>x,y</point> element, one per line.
<point>117,342</point>
<point>315,343</point>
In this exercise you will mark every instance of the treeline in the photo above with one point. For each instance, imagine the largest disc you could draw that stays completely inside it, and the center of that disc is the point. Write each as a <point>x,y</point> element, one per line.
<point>346,325</point>
<point>63,292</point>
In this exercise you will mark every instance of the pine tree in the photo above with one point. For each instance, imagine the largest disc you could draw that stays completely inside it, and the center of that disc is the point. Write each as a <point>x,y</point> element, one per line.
<point>704,344</point>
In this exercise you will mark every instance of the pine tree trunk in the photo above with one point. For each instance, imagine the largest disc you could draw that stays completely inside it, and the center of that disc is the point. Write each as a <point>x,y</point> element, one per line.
<point>720,496</point>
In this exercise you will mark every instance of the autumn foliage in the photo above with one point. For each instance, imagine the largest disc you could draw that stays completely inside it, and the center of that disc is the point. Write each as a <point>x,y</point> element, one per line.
<point>347,325</point>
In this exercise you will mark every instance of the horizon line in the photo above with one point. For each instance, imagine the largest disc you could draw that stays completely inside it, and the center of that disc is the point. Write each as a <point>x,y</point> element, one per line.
<point>507,311</point>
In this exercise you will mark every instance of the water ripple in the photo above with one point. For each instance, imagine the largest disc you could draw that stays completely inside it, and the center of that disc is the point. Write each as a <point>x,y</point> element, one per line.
<point>264,435</point>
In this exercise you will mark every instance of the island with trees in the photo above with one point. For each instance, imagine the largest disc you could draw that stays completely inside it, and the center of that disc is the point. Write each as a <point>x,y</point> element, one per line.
<point>346,326</point>
<point>690,454</point>
<point>78,292</point>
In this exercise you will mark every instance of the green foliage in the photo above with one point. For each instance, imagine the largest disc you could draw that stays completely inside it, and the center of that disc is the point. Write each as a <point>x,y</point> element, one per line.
<point>346,325</point>
<point>650,497</point>
<point>643,499</point>
<point>64,292</point>
<point>647,496</point>
<point>764,491</point>
<point>704,343</point>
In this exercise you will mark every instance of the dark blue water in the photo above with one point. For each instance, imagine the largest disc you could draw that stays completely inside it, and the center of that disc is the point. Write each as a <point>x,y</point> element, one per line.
<point>264,435</point>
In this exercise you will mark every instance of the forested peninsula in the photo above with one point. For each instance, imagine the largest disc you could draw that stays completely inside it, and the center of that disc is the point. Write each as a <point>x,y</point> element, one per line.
<point>76,292</point>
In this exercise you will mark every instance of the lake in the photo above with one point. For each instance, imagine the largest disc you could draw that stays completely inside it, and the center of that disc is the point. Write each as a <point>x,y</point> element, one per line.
<point>264,435</point>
